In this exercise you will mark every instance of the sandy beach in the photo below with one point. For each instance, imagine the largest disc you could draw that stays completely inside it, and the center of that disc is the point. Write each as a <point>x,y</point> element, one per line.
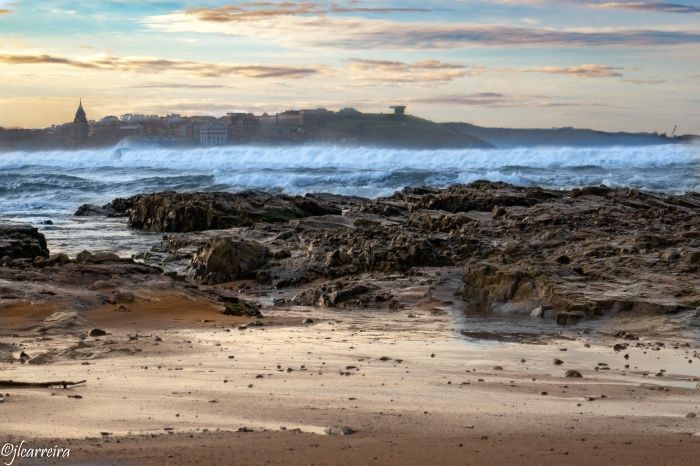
<point>166,384</point>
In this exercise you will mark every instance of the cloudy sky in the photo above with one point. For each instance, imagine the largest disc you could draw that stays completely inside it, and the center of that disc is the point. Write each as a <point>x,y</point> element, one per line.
<point>624,65</point>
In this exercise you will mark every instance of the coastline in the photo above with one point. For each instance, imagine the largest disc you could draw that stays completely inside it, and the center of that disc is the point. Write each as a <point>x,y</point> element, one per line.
<point>513,321</point>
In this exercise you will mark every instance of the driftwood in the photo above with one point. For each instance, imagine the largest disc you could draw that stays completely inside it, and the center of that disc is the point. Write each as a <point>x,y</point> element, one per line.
<point>63,383</point>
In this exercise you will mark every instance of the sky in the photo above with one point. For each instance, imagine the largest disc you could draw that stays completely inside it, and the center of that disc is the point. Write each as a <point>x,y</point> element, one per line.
<point>607,65</point>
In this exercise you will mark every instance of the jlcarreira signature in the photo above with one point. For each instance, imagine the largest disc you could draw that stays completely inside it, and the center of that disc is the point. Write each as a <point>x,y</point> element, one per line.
<point>11,451</point>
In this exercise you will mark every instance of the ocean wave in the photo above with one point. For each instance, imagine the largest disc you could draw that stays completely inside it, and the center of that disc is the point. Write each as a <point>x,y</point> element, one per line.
<point>354,158</point>
<point>59,181</point>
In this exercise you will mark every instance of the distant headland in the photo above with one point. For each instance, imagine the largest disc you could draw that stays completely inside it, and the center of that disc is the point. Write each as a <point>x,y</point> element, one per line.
<point>346,126</point>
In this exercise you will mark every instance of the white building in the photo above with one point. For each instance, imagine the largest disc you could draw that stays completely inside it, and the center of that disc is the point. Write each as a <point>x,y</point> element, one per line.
<point>213,134</point>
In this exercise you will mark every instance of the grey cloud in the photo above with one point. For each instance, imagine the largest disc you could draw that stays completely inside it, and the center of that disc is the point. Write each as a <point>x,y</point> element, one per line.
<point>664,7</point>
<point>497,100</point>
<point>644,81</point>
<point>405,35</point>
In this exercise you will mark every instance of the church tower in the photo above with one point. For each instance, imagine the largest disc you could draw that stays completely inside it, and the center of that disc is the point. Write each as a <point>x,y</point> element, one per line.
<point>80,125</point>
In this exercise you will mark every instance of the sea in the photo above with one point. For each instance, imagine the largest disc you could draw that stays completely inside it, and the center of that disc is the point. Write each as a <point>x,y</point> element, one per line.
<point>48,186</point>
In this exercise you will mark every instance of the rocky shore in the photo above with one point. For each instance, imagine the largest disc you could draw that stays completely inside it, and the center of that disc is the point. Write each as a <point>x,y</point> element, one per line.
<point>262,320</point>
<point>560,255</point>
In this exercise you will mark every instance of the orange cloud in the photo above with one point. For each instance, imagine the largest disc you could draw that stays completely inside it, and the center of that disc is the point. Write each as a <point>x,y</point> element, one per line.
<point>402,72</point>
<point>155,65</point>
<point>253,11</point>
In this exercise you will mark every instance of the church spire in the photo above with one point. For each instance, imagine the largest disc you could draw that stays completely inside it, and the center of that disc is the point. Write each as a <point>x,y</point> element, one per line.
<point>80,113</point>
<point>80,124</point>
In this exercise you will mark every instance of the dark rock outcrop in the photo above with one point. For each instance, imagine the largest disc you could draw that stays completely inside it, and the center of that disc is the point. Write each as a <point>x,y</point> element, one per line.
<point>183,212</point>
<point>588,252</point>
<point>87,257</point>
<point>117,208</point>
<point>560,255</point>
<point>334,294</point>
<point>19,241</point>
<point>224,259</point>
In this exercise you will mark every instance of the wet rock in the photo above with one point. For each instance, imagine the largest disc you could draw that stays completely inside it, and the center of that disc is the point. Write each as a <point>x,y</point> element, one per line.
<point>18,241</point>
<point>569,317</point>
<point>117,208</point>
<point>242,308</point>
<point>86,257</point>
<point>224,259</point>
<point>334,294</point>
<point>58,260</point>
<point>63,322</point>
<point>93,210</point>
<point>482,196</point>
<point>581,254</point>
<point>97,332</point>
<point>485,284</point>
<point>575,254</point>
<point>53,261</point>
<point>182,212</point>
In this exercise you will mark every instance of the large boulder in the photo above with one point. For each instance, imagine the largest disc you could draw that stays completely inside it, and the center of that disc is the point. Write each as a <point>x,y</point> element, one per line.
<point>19,241</point>
<point>225,259</point>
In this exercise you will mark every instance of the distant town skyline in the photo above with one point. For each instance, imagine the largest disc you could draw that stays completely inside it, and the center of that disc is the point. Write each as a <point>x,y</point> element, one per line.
<point>626,65</point>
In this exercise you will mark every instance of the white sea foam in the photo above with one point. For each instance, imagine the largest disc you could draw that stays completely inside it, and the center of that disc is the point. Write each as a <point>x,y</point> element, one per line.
<point>51,179</point>
<point>36,186</point>
<point>354,158</point>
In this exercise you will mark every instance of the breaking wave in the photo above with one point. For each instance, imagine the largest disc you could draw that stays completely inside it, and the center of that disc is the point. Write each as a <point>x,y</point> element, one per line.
<point>103,173</point>
<point>36,186</point>
<point>354,158</point>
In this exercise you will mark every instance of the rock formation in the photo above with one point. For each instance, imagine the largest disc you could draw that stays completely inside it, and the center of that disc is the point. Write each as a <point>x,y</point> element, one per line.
<point>564,255</point>
<point>18,241</point>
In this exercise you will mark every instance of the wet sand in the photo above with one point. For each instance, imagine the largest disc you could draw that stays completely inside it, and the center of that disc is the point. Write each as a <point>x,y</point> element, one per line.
<point>175,379</point>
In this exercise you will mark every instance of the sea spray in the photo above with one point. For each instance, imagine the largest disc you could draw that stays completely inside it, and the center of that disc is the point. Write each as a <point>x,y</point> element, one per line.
<point>353,158</point>
<point>50,185</point>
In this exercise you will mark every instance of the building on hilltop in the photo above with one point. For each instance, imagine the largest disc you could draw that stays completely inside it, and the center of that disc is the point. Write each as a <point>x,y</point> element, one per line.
<point>398,109</point>
<point>80,125</point>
